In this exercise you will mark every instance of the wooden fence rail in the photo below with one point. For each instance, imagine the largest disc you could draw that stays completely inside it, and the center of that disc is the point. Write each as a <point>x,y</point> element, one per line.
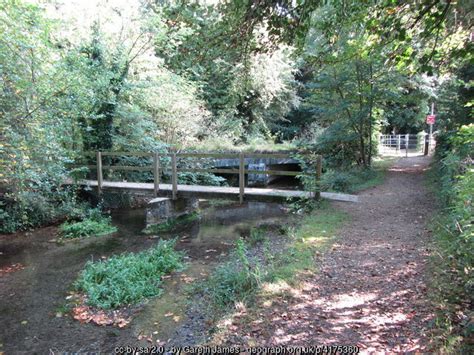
<point>241,171</point>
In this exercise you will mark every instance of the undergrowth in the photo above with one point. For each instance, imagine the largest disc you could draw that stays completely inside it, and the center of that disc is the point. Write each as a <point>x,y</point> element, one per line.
<point>128,278</point>
<point>356,179</point>
<point>452,284</point>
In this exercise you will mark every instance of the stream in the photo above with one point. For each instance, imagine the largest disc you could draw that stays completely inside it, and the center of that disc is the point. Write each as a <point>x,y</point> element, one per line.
<point>32,299</point>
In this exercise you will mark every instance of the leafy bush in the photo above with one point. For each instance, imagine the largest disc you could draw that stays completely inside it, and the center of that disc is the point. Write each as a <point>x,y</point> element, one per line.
<point>351,180</point>
<point>28,209</point>
<point>94,224</point>
<point>333,180</point>
<point>456,176</point>
<point>128,278</point>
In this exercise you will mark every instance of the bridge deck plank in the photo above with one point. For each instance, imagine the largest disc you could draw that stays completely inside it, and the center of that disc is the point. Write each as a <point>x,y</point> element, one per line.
<point>251,193</point>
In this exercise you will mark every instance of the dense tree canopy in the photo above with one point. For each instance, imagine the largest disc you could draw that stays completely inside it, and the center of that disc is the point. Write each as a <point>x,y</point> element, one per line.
<point>153,75</point>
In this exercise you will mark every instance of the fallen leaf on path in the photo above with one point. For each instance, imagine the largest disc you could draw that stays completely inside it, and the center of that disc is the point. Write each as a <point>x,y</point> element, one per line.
<point>11,268</point>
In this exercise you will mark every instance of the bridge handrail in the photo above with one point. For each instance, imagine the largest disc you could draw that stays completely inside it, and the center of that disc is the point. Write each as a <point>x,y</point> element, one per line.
<point>155,168</point>
<point>225,155</point>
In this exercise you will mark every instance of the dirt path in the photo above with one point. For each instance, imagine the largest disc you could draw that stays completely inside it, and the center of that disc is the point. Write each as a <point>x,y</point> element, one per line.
<point>370,290</point>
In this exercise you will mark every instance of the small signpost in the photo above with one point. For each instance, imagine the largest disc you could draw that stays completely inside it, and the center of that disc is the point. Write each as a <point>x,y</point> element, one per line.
<point>431,119</point>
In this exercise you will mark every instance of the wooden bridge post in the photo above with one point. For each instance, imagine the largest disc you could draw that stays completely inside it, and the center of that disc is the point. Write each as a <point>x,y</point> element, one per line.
<point>174,176</point>
<point>319,172</point>
<point>156,173</point>
<point>241,177</point>
<point>99,172</point>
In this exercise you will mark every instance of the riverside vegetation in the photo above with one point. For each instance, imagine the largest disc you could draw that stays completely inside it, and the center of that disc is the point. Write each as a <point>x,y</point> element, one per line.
<point>254,262</point>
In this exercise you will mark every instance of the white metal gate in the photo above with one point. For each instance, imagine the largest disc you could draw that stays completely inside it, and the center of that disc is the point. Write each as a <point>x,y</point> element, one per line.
<point>403,144</point>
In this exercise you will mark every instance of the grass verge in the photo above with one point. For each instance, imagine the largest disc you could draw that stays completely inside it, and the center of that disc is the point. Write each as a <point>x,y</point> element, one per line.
<point>313,235</point>
<point>128,278</point>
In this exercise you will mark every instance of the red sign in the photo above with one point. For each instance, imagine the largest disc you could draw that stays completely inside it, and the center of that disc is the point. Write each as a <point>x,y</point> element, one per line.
<point>430,119</point>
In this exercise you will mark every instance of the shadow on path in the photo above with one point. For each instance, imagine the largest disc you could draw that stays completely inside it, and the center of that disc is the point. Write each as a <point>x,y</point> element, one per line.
<point>370,290</point>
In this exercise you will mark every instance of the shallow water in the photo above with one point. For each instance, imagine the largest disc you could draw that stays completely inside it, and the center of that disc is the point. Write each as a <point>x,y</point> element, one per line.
<point>32,299</point>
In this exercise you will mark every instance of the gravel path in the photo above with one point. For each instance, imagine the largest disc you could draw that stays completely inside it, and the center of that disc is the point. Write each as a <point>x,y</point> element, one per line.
<point>370,290</point>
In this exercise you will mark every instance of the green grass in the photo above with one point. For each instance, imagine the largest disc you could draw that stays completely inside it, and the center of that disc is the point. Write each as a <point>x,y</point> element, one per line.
<point>243,276</point>
<point>172,224</point>
<point>128,278</point>
<point>93,225</point>
<point>315,233</point>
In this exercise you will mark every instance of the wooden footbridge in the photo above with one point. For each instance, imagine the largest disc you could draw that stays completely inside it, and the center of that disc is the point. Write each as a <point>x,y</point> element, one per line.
<point>174,190</point>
